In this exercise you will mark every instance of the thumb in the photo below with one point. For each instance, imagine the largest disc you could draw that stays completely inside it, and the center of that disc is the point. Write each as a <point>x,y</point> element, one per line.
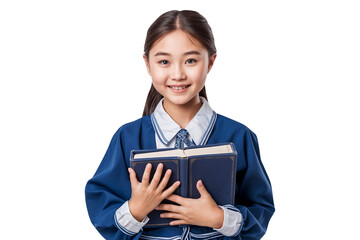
<point>201,188</point>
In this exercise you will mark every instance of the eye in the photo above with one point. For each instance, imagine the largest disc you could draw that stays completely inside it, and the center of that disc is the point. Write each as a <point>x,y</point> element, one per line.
<point>190,61</point>
<point>164,62</point>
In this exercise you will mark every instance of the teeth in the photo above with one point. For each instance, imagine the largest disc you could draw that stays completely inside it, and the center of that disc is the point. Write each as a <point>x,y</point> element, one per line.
<point>178,88</point>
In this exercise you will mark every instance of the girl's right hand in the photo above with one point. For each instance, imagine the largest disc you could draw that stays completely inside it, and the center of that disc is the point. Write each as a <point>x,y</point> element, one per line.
<point>146,196</point>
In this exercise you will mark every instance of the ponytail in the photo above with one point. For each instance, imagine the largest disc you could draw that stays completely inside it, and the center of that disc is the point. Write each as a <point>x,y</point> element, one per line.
<point>152,100</point>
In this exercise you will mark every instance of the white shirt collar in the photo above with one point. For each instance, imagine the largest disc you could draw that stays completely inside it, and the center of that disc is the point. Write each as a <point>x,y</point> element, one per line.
<point>199,127</point>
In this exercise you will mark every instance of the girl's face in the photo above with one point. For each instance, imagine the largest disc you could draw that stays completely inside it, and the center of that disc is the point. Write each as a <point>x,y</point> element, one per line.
<point>178,65</point>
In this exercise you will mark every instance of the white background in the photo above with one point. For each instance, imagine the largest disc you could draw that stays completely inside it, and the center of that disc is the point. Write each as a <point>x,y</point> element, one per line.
<point>72,73</point>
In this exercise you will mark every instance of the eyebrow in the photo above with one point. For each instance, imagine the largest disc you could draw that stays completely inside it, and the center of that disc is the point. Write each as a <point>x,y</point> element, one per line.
<point>168,54</point>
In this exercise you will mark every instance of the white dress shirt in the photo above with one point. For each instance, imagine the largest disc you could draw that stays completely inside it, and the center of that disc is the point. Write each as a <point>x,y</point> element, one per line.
<point>199,128</point>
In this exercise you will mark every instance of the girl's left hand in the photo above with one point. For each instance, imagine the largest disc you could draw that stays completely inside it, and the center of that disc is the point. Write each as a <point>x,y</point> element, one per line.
<point>201,212</point>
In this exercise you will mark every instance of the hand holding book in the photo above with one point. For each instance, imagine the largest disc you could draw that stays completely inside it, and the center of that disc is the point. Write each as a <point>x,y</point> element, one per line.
<point>214,165</point>
<point>145,195</point>
<point>201,212</point>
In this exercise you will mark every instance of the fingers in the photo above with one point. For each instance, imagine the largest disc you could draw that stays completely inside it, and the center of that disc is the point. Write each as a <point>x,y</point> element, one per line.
<point>165,180</point>
<point>169,207</point>
<point>179,218</point>
<point>132,174</point>
<point>156,179</point>
<point>202,190</point>
<point>171,215</point>
<point>171,189</point>
<point>178,222</point>
<point>146,175</point>
<point>173,212</point>
<point>176,199</point>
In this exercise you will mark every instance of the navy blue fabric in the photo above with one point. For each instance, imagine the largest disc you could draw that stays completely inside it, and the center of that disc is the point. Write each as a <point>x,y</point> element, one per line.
<point>110,186</point>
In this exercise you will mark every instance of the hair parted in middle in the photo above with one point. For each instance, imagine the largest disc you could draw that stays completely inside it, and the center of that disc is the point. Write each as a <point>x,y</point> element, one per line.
<point>192,23</point>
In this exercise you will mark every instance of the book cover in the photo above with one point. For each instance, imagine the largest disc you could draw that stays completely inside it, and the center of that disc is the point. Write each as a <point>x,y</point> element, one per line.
<point>214,164</point>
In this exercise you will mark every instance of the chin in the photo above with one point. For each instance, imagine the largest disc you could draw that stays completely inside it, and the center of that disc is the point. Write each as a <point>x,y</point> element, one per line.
<point>181,100</point>
<point>178,102</point>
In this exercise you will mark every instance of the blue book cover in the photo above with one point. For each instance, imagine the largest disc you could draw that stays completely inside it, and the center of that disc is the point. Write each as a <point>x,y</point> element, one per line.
<point>214,164</point>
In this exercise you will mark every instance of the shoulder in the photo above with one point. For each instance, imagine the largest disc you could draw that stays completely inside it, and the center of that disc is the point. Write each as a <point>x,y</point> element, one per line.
<point>231,124</point>
<point>137,134</point>
<point>230,130</point>
<point>134,126</point>
<point>227,129</point>
<point>131,130</point>
<point>129,134</point>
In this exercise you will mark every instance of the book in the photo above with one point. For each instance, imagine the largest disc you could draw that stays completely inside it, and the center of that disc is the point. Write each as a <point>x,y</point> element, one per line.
<point>214,164</point>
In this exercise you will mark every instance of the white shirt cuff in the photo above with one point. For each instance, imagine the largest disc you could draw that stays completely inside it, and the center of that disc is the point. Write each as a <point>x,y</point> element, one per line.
<point>232,222</point>
<point>126,222</point>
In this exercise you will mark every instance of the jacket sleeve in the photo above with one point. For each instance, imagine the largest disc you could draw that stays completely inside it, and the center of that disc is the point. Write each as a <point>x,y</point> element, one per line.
<point>107,191</point>
<point>253,198</point>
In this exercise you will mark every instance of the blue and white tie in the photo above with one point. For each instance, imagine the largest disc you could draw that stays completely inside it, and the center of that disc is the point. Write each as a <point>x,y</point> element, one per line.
<point>181,138</point>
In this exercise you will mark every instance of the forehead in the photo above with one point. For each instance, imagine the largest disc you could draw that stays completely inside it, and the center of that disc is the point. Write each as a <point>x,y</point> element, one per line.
<point>176,42</point>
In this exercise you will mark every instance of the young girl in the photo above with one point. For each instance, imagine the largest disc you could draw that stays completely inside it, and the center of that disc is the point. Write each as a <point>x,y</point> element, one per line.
<point>179,53</point>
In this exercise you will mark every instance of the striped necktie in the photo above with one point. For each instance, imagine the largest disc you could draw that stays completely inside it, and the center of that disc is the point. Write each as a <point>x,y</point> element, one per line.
<point>181,138</point>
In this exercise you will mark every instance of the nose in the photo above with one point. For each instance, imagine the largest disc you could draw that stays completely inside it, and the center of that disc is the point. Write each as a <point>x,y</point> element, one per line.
<point>177,72</point>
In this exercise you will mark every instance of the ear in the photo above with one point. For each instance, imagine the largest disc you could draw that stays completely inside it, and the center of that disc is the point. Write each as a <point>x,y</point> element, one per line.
<point>211,61</point>
<point>147,64</point>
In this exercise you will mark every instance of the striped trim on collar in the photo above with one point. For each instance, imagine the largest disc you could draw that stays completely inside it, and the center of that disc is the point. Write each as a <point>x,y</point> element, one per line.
<point>157,129</point>
<point>206,136</point>
<point>199,128</point>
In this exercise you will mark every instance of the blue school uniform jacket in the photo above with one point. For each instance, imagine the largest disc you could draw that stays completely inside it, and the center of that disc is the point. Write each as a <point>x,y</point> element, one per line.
<point>110,187</point>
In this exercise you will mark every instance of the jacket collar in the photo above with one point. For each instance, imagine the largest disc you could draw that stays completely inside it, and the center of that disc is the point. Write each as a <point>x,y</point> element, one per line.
<point>199,127</point>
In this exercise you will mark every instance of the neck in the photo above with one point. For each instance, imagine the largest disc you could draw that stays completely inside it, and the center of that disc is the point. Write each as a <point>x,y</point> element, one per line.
<point>182,114</point>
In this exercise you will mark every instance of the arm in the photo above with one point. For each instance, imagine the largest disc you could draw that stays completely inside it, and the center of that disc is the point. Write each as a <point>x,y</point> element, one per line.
<point>253,198</point>
<point>107,191</point>
<point>253,202</point>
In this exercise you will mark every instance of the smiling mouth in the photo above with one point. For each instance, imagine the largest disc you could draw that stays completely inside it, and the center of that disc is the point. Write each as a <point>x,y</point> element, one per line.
<point>179,88</point>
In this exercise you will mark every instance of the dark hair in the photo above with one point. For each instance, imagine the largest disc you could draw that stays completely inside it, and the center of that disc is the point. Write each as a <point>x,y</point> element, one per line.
<point>188,21</point>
